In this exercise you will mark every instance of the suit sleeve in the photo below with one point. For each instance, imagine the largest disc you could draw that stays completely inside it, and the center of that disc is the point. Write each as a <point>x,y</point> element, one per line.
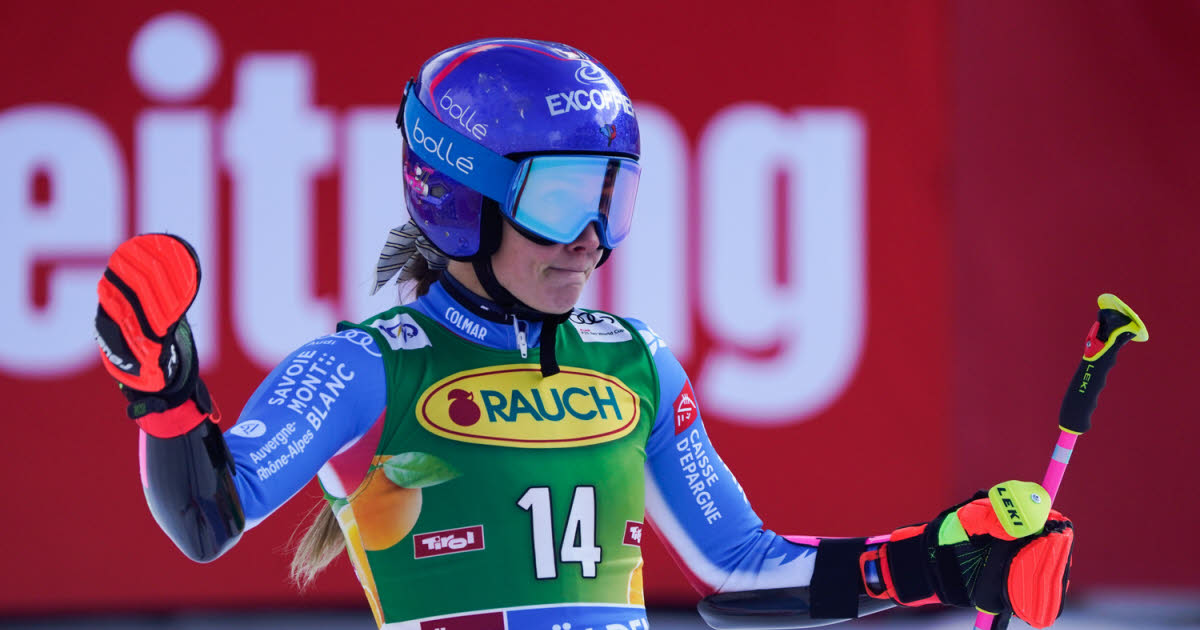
<point>205,488</point>
<point>698,508</point>
<point>316,403</point>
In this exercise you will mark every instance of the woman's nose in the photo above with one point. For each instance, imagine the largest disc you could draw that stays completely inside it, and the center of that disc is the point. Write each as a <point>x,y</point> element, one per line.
<point>587,240</point>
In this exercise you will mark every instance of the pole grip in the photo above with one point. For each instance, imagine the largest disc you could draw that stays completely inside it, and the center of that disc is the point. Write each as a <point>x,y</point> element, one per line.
<point>1111,331</point>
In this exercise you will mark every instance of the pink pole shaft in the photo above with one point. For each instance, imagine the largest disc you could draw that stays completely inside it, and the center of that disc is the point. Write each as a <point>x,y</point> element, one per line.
<point>1058,463</point>
<point>1053,479</point>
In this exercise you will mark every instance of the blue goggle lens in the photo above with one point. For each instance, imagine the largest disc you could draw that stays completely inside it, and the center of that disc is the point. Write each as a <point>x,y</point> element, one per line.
<point>557,196</point>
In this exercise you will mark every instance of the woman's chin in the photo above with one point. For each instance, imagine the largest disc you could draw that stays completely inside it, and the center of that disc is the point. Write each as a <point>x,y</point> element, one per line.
<point>559,298</point>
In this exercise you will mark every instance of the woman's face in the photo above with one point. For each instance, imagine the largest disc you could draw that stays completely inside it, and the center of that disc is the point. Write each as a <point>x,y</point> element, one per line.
<point>548,278</point>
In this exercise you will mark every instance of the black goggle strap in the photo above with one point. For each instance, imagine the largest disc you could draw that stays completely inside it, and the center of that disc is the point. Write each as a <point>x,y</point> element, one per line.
<point>610,180</point>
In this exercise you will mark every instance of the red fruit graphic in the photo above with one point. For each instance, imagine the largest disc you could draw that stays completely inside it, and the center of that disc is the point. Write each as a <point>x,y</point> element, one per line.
<point>463,411</point>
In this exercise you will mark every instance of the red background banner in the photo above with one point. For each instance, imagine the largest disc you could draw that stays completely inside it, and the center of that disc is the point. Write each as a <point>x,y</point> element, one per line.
<point>1012,163</point>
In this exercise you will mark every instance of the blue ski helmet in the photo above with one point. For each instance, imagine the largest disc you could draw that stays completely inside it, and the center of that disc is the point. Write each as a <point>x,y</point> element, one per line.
<point>477,115</point>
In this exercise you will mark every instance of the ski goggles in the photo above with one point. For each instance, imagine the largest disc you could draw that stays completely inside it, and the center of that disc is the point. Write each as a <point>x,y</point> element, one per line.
<point>557,196</point>
<point>553,197</point>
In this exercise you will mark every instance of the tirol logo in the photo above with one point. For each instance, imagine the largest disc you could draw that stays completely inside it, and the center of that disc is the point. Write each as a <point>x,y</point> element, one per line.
<point>513,405</point>
<point>686,409</point>
<point>633,534</point>
<point>448,541</point>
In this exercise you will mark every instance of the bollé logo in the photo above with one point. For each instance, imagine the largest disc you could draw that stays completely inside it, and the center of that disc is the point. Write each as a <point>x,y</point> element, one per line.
<point>464,115</point>
<point>434,145</point>
<point>513,405</point>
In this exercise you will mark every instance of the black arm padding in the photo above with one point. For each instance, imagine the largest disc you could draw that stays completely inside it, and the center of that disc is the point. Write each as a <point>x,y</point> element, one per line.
<point>773,608</point>
<point>191,491</point>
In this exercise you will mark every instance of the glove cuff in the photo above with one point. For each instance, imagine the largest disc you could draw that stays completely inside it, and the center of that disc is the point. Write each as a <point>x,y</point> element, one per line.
<point>917,569</point>
<point>167,418</point>
<point>901,563</point>
<point>172,422</point>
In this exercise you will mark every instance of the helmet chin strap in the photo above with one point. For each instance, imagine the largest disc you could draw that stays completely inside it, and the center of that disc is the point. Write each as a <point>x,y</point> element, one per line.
<point>491,226</point>
<point>504,298</point>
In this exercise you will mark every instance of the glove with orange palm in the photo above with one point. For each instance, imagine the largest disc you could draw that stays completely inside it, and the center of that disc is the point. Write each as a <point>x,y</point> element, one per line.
<point>145,341</point>
<point>1006,553</point>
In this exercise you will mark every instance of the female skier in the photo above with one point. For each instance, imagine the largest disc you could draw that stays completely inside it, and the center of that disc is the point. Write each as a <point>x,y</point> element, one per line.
<point>488,452</point>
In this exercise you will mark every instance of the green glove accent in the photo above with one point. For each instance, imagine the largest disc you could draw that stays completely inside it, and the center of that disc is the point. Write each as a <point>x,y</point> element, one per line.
<point>951,531</point>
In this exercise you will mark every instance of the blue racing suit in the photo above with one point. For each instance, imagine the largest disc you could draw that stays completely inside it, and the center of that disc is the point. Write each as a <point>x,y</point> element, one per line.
<point>692,499</point>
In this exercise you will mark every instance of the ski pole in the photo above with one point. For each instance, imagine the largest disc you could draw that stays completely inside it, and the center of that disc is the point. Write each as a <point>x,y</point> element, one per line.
<point>1115,325</point>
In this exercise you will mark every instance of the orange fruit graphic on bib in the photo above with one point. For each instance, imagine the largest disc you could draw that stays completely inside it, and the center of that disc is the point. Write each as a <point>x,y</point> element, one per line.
<point>387,506</point>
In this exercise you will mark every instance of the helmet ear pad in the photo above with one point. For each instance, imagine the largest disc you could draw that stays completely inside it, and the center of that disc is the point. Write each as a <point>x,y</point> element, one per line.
<point>446,212</point>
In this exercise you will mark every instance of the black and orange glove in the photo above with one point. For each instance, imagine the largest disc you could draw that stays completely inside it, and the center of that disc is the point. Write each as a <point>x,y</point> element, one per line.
<point>145,342</point>
<point>1004,552</point>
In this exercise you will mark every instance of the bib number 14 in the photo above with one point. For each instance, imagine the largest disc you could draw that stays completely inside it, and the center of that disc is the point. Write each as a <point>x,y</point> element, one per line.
<point>578,539</point>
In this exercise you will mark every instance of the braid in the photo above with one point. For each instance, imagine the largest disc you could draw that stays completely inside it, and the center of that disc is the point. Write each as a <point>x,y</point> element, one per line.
<point>409,255</point>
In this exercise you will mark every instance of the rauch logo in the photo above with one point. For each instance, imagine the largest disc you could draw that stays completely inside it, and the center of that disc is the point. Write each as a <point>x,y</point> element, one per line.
<point>513,405</point>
